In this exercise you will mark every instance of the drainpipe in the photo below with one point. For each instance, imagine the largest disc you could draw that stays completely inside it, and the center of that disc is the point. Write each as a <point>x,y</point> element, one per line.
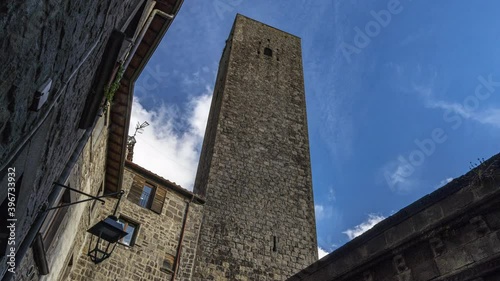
<point>143,32</point>
<point>179,246</point>
<point>54,103</point>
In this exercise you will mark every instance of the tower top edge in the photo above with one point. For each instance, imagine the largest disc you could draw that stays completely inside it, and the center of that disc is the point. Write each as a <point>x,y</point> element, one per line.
<point>240,16</point>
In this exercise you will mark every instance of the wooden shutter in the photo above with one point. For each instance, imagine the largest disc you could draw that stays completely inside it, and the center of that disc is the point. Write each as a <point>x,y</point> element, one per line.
<point>157,205</point>
<point>135,192</point>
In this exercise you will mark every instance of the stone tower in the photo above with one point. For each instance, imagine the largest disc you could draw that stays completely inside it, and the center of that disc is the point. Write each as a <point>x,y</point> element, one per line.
<point>254,168</point>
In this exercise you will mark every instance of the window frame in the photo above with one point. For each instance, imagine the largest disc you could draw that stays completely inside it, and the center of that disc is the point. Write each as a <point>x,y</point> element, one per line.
<point>151,197</point>
<point>125,221</point>
<point>156,199</point>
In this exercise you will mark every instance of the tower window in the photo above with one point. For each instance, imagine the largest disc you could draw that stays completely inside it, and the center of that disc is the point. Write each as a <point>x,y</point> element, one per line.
<point>268,52</point>
<point>275,244</point>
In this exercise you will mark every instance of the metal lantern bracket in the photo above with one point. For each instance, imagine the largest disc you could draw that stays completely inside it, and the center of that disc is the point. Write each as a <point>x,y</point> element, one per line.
<point>108,231</point>
<point>96,198</point>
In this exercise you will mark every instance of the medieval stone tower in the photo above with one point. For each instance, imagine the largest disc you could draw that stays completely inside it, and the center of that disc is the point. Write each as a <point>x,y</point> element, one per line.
<point>254,167</point>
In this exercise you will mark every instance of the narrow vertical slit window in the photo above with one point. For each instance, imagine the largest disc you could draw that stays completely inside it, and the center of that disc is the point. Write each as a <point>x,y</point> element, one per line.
<point>275,244</point>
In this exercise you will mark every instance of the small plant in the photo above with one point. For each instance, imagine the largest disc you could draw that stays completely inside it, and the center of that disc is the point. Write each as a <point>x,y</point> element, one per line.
<point>110,90</point>
<point>478,168</point>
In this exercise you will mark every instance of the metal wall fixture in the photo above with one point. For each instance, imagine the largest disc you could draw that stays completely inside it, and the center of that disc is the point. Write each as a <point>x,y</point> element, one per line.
<point>104,234</point>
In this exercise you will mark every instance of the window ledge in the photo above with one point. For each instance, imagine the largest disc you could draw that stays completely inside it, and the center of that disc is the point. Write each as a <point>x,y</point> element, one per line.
<point>125,245</point>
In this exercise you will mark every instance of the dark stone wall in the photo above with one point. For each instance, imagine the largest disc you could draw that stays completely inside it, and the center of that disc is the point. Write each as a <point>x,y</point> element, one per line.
<point>88,175</point>
<point>451,234</point>
<point>41,40</point>
<point>255,169</point>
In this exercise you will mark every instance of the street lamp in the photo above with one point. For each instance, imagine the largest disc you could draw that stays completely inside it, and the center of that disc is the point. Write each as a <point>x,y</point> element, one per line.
<point>105,233</point>
<point>108,233</point>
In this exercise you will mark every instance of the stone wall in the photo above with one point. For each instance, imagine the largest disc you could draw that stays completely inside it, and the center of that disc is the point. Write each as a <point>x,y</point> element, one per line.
<point>88,176</point>
<point>42,40</point>
<point>158,236</point>
<point>254,167</point>
<point>451,234</point>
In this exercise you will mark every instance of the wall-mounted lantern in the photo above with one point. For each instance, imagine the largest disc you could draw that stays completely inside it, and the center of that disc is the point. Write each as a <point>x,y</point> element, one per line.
<point>104,234</point>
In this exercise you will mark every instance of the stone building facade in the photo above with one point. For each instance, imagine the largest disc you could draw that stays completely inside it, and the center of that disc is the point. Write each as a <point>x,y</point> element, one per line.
<point>66,52</point>
<point>251,215</point>
<point>64,229</point>
<point>164,237</point>
<point>42,43</point>
<point>452,234</point>
<point>254,169</point>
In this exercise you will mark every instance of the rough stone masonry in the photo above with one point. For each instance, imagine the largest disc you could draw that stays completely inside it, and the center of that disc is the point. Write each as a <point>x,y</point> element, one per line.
<point>255,167</point>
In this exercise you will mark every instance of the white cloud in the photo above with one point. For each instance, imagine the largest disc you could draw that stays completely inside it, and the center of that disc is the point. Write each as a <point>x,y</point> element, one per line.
<point>321,253</point>
<point>323,212</point>
<point>201,108</point>
<point>443,182</point>
<point>489,116</point>
<point>356,231</point>
<point>170,146</point>
<point>320,211</point>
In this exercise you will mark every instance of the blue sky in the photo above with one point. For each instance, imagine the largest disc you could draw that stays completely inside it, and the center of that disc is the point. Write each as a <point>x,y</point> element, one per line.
<point>401,97</point>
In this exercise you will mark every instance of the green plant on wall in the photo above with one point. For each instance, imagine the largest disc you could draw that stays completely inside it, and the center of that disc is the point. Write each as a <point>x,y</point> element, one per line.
<point>110,90</point>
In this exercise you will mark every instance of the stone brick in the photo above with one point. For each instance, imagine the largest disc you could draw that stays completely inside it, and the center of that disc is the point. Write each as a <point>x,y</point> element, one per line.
<point>483,247</point>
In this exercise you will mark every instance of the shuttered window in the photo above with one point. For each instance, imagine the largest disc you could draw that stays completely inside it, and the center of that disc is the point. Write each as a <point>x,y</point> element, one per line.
<point>158,200</point>
<point>147,196</point>
<point>135,192</point>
